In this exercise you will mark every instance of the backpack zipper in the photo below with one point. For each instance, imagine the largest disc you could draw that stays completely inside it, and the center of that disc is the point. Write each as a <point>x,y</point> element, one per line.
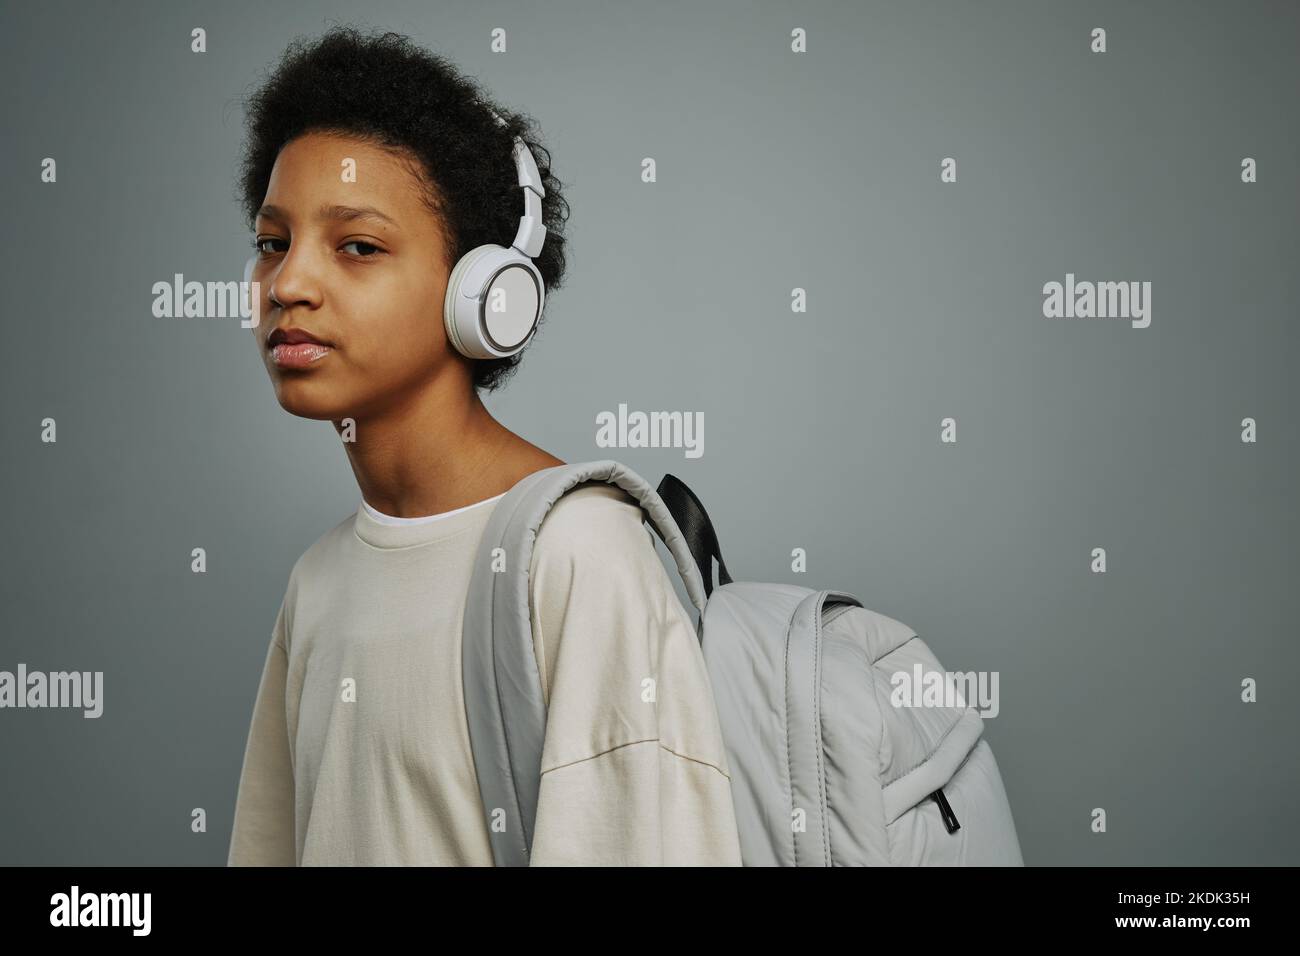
<point>945,810</point>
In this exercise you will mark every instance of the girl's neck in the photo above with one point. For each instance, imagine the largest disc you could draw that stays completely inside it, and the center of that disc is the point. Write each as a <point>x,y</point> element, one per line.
<point>437,453</point>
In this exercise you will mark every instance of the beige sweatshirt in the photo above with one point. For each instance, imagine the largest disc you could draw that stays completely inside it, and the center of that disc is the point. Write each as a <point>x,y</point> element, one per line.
<point>359,752</point>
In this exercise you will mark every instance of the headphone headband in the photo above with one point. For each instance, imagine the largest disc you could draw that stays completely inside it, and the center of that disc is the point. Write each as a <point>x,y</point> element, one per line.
<point>531,234</point>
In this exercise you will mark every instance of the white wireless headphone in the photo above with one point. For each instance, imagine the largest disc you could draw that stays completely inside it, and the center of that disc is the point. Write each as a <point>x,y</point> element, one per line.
<point>495,293</point>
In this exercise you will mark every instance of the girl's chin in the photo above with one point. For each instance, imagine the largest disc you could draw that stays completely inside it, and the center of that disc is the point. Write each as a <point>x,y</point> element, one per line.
<point>296,399</point>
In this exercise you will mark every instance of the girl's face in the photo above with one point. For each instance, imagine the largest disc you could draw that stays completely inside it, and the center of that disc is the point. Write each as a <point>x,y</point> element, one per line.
<point>357,261</point>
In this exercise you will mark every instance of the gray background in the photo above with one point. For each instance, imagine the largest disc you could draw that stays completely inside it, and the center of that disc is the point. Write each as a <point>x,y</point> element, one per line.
<point>821,430</point>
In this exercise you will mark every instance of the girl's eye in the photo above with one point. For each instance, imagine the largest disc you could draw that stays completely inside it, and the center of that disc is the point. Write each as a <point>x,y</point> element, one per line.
<point>260,244</point>
<point>362,247</point>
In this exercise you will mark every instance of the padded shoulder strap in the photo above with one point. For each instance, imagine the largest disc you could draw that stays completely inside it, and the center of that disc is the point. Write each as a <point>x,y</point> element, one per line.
<point>503,690</point>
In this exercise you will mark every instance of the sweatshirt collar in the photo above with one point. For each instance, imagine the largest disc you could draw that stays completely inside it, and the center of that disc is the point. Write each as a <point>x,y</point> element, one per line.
<point>406,533</point>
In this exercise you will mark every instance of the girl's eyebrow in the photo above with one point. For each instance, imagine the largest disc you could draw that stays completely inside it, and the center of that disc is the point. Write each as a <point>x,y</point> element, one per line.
<point>327,211</point>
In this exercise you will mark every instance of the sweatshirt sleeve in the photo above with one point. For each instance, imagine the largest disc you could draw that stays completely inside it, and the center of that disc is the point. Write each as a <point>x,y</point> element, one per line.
<point>263,829</point>
<point>634,770</point>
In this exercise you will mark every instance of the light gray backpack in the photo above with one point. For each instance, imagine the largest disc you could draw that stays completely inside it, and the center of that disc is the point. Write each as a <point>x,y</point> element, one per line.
<point>825,769</point>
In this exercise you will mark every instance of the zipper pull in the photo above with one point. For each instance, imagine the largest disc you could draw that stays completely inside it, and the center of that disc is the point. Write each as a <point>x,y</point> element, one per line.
<point>945,810</point>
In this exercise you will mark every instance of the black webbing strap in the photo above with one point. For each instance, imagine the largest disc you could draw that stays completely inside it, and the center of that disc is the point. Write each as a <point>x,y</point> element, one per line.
<point>695,526</point>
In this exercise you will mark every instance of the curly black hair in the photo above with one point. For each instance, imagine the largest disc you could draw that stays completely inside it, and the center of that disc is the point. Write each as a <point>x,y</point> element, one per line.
<point>383,88</point>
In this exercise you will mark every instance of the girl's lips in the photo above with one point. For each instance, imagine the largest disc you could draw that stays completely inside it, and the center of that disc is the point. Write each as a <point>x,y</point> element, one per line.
<point>299,355</point>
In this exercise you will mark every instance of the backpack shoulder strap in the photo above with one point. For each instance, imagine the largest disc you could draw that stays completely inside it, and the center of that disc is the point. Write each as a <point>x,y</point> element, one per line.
<point>503,690</point>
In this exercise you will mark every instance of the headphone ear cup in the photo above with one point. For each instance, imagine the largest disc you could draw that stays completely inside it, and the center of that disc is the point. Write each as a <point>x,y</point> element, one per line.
<point>450,317</point>
<point>500,320</point>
